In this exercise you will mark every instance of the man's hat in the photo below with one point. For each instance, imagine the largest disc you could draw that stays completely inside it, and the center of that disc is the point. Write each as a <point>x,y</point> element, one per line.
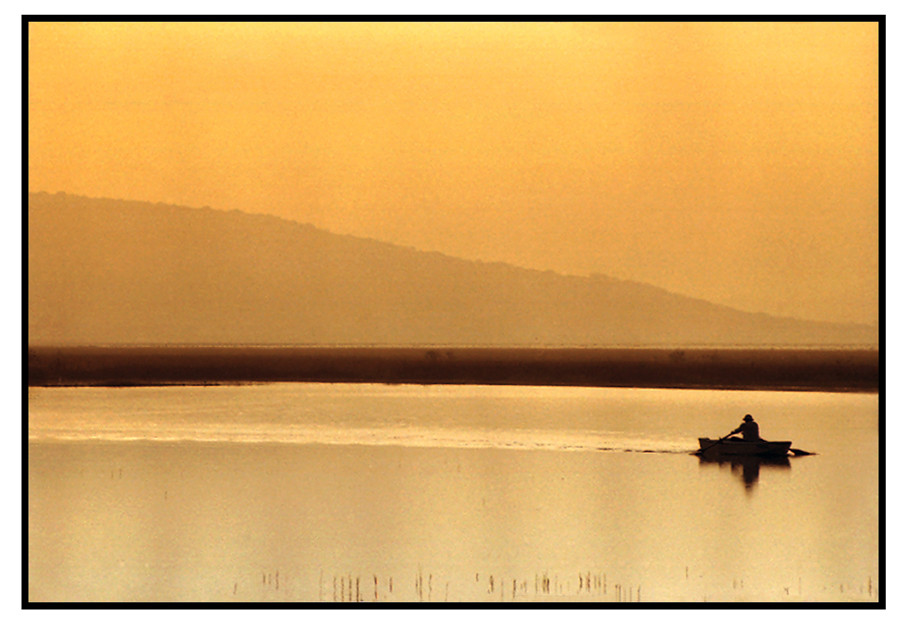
<point>747,418</point>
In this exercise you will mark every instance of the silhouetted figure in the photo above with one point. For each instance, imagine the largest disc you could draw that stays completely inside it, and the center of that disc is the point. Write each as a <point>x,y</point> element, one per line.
<point>749,429</point>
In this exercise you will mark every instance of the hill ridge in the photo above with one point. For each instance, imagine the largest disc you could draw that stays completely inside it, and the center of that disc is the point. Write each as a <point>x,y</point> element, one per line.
<point>126,272</point>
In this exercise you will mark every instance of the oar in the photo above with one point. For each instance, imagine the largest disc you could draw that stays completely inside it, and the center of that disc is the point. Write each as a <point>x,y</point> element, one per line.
<point>701,451</point>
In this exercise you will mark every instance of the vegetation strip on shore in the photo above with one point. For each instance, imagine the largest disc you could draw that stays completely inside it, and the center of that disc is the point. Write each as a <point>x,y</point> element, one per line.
<point>776,369</point>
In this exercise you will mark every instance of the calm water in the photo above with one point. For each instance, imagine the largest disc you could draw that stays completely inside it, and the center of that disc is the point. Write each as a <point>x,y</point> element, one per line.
<point>284,492</point>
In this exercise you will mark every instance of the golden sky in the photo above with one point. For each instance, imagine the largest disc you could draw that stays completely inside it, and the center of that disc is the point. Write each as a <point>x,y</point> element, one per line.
<point>735,162</point>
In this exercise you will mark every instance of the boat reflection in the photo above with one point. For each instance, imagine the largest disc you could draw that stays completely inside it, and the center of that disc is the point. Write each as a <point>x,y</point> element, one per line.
<point>747,467</point>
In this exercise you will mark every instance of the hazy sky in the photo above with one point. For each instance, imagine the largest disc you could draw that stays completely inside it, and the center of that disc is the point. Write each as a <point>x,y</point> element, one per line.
<point>733,162</point>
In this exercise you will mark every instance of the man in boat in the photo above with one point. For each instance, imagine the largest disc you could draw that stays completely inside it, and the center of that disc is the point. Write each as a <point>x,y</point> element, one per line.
<point>749,429</point>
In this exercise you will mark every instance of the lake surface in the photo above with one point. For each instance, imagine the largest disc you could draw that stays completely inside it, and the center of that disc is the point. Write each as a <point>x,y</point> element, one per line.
<point>368,492</point>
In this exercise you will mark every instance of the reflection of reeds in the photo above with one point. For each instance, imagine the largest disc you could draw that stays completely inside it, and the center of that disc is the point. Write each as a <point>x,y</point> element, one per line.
<point>419,584</point>
<point>543,587</point>
<point>590,586</point>
<point>354,590</point>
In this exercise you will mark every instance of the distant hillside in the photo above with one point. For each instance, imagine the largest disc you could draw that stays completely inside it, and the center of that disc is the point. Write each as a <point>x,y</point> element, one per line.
<point>116,272</point>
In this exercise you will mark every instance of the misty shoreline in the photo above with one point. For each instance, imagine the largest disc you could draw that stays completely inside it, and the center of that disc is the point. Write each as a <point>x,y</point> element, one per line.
<point>803,369</point>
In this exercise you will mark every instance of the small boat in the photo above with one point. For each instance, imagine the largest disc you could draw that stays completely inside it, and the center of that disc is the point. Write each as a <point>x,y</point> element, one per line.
<point>736,446</point>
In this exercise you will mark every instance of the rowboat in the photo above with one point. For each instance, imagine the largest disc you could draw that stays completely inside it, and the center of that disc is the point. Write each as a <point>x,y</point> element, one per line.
<point>738,447</point>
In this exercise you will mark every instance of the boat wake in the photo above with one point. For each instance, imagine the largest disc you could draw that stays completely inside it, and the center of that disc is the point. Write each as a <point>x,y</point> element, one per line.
<point>685,451</point>
<point>521,440</point>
